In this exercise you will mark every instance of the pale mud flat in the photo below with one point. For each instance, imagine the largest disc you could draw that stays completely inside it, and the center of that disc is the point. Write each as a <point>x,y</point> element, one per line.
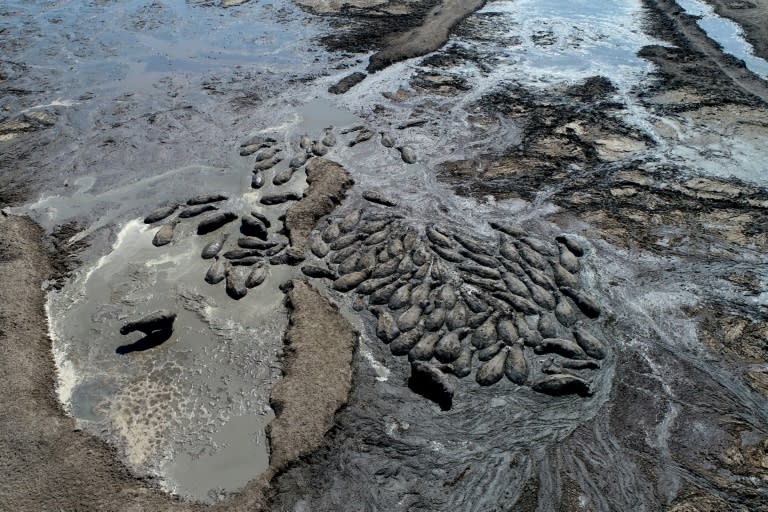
<point>641,165</point>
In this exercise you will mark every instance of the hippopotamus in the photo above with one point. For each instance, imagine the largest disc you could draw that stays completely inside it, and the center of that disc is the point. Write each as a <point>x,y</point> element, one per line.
<point>565,348</point>
<point>401,345</point>
<point>329,139</point>
<point>236,282</point>
<point>319,272</point>
<point>515,366</point>
<point>194,211</point>
<point>561,384</point>
<point>492,371</point>
<point>257,275</point>
<point>214,222</point>
<point>363,136</point>
<point>377,197</point>
<point>160,214</point>
<point>386,327</point>
<point>591,345</point>
<point>290,257</point>
<point>350,281</point>
<point>425,348</point>
<point>206,198</point>
<point>213,248</point>
<point>216,272</point>
<point>257,181</point>
<point>283,176</point>
<point>280,198</point>
<point>252,226</point>
<point>263,165</point>
<point>585,303</point>
<point>407,154</point>
<point>164,235</point>
<point>160,320</point>
<point>267,153</point>
<point>448,348</point>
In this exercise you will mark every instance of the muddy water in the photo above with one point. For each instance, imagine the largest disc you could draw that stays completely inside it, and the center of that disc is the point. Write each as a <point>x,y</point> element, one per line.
<point>727,34</point>
<point>151,113</point>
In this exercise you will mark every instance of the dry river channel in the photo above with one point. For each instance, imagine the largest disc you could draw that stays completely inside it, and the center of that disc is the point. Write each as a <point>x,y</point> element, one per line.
<point>442,255</point>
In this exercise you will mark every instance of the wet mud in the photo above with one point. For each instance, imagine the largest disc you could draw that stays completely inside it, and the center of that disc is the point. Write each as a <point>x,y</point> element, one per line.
<point>527,268</point>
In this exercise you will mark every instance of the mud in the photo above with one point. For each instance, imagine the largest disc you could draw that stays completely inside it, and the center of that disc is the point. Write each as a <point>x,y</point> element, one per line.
<point>48,463</point>
<point>320,345</point>
<point>622,123</point>
<point>328,182</point>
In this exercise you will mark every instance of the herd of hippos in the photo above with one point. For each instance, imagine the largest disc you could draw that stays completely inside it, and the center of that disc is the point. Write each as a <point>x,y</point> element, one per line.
<point>451,303</point>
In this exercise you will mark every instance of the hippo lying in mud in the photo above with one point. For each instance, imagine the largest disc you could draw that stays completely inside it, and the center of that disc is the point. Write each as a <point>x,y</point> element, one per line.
<point>157,327</point>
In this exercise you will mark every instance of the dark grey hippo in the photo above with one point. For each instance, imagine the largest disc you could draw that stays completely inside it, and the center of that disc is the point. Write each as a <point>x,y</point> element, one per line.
<point>160,320</point>
<point>205,199</point>
<point>214,222</point>
<point>561,384</point>
<point>164,235</point>
<point>431,383</point>
<point>213,248</point>
<point>160,214</point>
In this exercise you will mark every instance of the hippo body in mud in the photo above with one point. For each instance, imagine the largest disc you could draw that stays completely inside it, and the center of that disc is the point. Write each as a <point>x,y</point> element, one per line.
<point>160,214</point>
<point>562,384</point>
<point>214,222</point>
<point>407,154</point>
<point>280,198</point>
<point>205,199</point>
<point>160,320</point>
<point>235,285</point>
<point>194,211</point>
<point>164,235</point>
<point>213,248</point>
<point>430,382</point>
<point>252,226</point>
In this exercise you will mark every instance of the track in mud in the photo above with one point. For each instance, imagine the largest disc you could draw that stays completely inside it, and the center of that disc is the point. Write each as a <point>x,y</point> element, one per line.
<point>142,127</point>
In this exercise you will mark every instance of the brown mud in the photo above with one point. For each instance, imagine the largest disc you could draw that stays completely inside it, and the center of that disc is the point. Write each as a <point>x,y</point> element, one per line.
<point>46,462</point>
<point>328,183</point>
<point>398,30</point>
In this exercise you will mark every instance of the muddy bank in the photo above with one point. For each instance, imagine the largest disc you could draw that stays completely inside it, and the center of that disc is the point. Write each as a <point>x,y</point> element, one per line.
<point>48,464</point>
<point>426,38</point>
<point>397,30</point>
<point>317,378</point>
<point>317,375</point>
<point>751,16</point>
<point>328,183</point>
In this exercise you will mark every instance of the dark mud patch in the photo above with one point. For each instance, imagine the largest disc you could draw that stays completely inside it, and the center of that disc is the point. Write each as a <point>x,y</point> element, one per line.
<point>563,131</point>
<point>696,61</point>
<point>664,211</point>
<point>65,252</point>
<point>734,336</point>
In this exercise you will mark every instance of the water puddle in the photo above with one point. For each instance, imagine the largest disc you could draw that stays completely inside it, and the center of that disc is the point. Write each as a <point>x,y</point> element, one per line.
<point>728,34</point>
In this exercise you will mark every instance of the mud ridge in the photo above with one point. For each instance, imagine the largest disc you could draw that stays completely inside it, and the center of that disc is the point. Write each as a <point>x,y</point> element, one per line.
<point>328,183</point>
